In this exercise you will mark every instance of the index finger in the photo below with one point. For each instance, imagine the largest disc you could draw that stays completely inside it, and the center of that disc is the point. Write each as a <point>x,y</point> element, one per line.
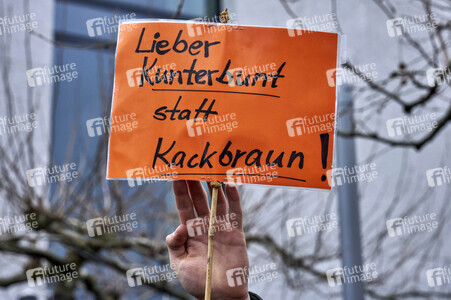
<point>183,201</point>
<point>234,203</point>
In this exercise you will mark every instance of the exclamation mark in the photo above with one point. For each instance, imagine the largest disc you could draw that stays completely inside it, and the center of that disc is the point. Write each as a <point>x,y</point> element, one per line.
<point>324,151</point>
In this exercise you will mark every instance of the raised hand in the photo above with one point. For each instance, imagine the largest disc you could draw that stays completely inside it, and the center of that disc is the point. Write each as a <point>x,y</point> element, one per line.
<point>188,252</point>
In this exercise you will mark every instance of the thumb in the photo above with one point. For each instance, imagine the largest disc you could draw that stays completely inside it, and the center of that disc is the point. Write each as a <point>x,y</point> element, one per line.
<point>176,242</point>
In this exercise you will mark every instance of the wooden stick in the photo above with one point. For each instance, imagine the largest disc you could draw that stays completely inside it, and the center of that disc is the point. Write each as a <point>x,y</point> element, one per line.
<point>215,185</point>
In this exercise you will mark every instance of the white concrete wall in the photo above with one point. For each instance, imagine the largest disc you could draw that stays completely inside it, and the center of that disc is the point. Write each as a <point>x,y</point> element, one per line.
<point>364,25</point>
<point>13,55</point>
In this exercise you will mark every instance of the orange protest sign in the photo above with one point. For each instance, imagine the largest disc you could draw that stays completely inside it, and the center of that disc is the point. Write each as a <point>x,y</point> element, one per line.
<point>223,102</point>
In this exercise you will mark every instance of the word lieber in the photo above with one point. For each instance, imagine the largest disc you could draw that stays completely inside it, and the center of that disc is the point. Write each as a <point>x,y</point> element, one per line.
<point>162,47</point>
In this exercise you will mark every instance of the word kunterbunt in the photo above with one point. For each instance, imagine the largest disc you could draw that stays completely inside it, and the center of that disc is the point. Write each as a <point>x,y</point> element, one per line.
<point>192,75</point>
